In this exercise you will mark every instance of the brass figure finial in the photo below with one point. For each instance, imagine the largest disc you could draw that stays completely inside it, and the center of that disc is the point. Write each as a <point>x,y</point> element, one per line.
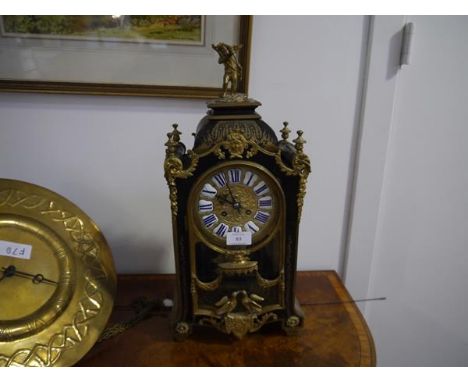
<point>232,68</point>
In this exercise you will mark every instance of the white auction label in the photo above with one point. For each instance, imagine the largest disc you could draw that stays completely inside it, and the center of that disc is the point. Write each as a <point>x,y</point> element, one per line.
<point>239,238</point>
<point>17,250</point>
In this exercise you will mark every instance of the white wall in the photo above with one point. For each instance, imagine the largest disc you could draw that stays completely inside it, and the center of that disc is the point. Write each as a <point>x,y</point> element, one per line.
<point>106,153</point>
<point>420,255</point>
<point>308,71</point>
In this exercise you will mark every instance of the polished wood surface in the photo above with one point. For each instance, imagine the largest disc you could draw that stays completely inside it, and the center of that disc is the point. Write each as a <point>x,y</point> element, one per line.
<point>335,333</point>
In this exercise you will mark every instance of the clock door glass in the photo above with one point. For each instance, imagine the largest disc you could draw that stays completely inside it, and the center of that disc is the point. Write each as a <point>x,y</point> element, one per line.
<point>236,198</point>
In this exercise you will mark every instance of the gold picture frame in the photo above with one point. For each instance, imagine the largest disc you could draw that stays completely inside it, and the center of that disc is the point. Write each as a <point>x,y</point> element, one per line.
<point>9,83</point>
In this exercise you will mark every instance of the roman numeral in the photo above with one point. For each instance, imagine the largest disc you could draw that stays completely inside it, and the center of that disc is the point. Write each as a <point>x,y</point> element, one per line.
<point>209,191</point>
<point>250,178</point>
<point>205,206</point>
<point>252,227</point>
<point>265,202</point>
<point>210,220</point>
<point>261,188</point>
<point>236,229</point>
<point>262,217</point>
<point>220,179</point>
<point>221,230</point>
<point>235,175</point>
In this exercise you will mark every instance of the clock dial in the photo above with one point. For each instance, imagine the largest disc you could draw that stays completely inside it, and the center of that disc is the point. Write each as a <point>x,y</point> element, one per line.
<point>37,288</point>
<point>236,198</point>
<point>21,285</point>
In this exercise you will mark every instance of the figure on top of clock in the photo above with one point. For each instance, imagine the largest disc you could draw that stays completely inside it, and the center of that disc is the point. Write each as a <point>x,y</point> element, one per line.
<point>232,67</point>
<point>236,200</point>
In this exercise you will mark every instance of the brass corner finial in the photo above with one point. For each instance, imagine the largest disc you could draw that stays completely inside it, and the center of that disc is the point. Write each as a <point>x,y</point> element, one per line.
<point>173,139</point>
<point>285,131</point>
<point>176,133</point>
<point>299,141</point>
<point>232,67</point>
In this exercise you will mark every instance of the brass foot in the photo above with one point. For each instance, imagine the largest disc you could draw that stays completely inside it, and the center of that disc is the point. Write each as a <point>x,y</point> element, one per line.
<point>181,331</point>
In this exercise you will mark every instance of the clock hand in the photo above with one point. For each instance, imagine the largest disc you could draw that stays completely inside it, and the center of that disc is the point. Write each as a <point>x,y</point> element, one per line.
<point>237,206</point>
<point>235,203</point>
<point>230,191</point>
<point>224,199</point>
<point>8,272</point>
<point>36,279</point>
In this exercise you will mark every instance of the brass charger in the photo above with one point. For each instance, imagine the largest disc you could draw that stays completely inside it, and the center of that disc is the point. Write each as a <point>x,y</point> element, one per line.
<point>57,278</point>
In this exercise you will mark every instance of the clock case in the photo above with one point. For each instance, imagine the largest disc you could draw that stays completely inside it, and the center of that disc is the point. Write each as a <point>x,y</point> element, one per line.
<point>235,289</point>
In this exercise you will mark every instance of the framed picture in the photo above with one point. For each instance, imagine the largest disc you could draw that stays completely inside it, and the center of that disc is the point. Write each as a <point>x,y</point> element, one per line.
<point>148,55</point>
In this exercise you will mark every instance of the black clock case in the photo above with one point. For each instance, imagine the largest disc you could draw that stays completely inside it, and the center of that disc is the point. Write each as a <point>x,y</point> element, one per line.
<point>213,129</point>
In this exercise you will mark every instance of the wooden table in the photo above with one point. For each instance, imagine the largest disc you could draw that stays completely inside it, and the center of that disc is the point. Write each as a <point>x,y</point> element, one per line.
<point>335,333</point>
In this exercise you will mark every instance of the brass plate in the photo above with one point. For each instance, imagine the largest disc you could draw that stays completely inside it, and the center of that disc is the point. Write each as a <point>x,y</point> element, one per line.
<point>55,304</point>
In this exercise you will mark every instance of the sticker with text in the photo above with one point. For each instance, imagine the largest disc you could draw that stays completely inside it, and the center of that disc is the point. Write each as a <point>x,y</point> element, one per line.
<point>16,250</point>
<point>239,238</point>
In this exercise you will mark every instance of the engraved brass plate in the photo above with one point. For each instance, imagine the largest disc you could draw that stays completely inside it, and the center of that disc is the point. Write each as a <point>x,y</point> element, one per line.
<point>55,302</point>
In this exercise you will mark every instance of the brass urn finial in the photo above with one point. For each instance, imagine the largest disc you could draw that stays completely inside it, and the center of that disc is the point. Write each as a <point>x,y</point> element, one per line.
<point>173,139</point>
<point>299,141</point>
<point>176,133</point>
<point>285,131</point>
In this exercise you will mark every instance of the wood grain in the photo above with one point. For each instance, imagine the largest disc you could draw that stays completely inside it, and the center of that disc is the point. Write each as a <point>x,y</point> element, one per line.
<point>335,333</point>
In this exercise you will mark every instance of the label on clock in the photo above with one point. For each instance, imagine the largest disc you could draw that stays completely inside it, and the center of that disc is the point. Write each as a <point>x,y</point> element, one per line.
<point>16,250</point>
<point>239,238</point>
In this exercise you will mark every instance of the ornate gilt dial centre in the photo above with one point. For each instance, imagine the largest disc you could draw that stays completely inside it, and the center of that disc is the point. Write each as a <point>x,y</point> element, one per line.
<point>236,214</point>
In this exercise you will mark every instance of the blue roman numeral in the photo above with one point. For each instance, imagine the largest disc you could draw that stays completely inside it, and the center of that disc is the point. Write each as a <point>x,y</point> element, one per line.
<point>235,175</point>
<point>221,230</point>
<point>220,179</point>
<point>261,189</point>
<point>252,228</point>
<point>265,202</point>
<point>209,220</point>
<point>249,179</point>
<point>262,217</point>
<point>205,207</point>
<point>209,191</point>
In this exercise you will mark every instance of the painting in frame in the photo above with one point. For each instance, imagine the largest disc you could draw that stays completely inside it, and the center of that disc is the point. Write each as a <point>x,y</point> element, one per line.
<point>146,55</point>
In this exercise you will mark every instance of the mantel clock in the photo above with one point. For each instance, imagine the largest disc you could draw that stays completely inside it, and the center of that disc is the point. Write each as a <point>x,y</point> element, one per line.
<point>236,200</point>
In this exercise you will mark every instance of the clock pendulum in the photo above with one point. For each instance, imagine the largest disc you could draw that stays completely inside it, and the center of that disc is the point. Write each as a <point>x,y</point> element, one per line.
<point>236,200</point>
